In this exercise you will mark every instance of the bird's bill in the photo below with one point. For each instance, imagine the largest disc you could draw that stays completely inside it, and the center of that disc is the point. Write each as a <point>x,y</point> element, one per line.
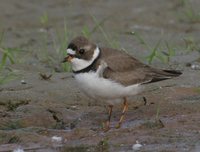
<point>68,58</point>
<point>70,55</point>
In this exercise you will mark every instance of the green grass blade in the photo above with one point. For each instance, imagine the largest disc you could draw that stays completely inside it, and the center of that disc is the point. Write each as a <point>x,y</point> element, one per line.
<point>102,31</point>
<point>10,55</point>
<point>2,37</point>
<point>153,54</point>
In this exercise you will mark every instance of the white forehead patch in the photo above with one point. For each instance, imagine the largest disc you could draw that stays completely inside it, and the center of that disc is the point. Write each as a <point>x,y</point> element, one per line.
<point>70,51</point>
<point>79,64</point>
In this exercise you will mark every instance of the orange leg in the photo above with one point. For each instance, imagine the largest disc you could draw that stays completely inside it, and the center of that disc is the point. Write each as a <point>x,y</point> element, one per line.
<point>107,124</point>
<point>125,107</point>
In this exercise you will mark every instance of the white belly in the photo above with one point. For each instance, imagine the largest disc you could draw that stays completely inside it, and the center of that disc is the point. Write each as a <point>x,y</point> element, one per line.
<point>98,87</point>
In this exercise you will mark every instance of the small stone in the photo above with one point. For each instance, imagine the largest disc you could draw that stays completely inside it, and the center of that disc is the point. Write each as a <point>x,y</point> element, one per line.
<point>18,150</point>
<point>195,67</point>
<point>136,146</point>
<point>56,139</point>
<point>23,82</point>
<point>42,30</point>
<point>74,107</point>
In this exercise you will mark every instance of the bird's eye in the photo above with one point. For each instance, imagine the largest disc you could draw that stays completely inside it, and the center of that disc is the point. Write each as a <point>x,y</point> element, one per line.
<point>81,51</point>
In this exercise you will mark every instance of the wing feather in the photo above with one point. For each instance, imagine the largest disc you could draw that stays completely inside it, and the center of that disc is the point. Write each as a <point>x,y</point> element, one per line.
<point>125,69</point>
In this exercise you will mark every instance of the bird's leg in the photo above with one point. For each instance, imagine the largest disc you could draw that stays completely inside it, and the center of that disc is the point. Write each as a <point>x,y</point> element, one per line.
<point>145,101</point>
<point>125,107</point>
<point>107,124</point>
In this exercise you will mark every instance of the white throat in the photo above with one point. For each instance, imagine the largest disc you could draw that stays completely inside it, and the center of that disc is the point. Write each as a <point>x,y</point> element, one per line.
<point>79,64</point>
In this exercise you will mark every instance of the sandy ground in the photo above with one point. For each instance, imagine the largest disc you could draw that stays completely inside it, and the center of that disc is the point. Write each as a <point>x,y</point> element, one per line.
<point>35,112</point>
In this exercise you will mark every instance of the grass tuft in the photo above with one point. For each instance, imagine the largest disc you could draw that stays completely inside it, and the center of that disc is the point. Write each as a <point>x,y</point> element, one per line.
<point>8,56</point>
<point>191,44</point>
<point>155,51</point>
<point>188,14</point>
<point>44,19</point>
<point>98,25</point>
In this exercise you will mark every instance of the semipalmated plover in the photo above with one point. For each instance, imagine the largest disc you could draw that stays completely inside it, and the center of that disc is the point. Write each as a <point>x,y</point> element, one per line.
<point>109,74</point>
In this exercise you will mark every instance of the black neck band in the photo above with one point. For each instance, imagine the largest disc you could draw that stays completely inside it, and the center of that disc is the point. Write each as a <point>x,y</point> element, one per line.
<point>91,67</point>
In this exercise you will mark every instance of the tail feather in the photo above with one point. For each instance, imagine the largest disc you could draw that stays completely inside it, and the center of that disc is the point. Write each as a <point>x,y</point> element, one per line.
<point>173,73</point>
<point>160,75</point>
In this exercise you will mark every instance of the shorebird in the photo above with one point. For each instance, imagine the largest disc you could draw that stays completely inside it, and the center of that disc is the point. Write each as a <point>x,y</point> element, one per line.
<point>109,74</point>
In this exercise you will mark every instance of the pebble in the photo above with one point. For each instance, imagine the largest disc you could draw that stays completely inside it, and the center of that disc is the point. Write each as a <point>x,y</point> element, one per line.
<point>23,82</point>
<point>18,150</point>
<point>195,67</point>
<point>136,146</point>
<point>56,139</point>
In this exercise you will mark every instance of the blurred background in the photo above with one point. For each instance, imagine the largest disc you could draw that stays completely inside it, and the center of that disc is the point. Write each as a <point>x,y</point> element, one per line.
<point>34,35</point>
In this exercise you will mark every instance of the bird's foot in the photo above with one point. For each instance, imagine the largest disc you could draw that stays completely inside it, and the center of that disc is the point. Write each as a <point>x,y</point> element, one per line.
<point>106,126</point>
<point>118,125</point>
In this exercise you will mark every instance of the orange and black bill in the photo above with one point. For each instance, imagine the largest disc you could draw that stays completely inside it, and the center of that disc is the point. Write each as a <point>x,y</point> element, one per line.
<point>67,58</point>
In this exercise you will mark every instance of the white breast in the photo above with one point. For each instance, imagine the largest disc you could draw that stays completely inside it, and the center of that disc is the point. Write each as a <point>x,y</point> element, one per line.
<point>98,87</point>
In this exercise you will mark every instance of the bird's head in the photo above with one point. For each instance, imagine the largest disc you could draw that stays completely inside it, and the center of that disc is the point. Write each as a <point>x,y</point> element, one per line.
<point>81,53</point>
